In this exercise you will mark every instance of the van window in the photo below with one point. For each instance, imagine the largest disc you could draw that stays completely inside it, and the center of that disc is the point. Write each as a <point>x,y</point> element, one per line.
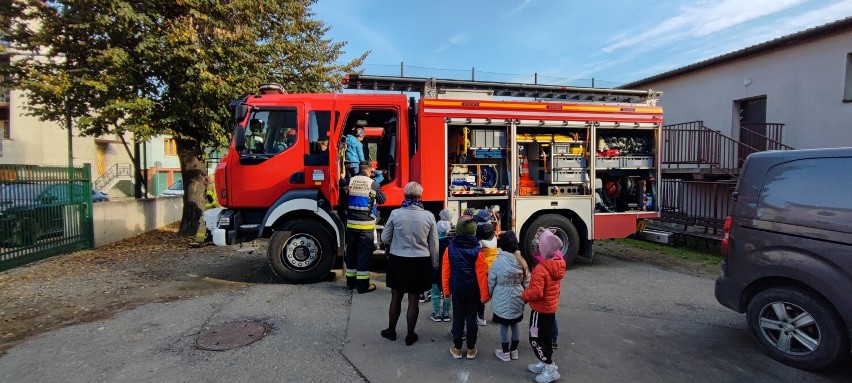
<point>809,192</point>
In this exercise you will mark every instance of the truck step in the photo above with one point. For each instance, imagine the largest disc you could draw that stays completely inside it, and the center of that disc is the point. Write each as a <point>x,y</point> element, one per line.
<point>248,228</point>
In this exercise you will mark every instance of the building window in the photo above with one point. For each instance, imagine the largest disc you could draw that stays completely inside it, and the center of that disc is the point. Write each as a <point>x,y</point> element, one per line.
<point>847,90</point>
<point>170,147</point>
<point>4,122</point>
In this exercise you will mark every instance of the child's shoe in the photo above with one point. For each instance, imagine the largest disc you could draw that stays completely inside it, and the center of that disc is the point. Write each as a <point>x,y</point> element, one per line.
<point>537,368</point>
<point>504,356</point>
<point>550,373</point>
<point>554,345</point>
<point>421,298</point>
<point>480,321</point>
<point>435,317</point>
<point>513,354</point>
<point>457,354</point>
<point>471,353</point>
<point>445,316</point>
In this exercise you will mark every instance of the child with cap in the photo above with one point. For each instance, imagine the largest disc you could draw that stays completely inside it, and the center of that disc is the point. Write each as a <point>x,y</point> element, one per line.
<point>465,281</point>
<point>543,298</point>
<point>506,281</point>
<point>445,232</point>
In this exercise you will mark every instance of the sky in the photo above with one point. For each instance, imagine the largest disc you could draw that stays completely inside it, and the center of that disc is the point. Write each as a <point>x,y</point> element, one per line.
<point>562,41</point>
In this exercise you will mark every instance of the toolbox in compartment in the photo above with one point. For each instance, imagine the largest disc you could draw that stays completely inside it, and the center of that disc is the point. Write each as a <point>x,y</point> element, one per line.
<point>607,162</point>
<point>487,138</point>
<point>488,153</point>
<point>636,162</point>
<point>567,176</point>
<point>569,162</point>
<point>571,147</point>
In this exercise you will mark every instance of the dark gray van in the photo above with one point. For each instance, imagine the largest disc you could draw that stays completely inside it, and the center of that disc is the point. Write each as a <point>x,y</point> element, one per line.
<point>788,254</point>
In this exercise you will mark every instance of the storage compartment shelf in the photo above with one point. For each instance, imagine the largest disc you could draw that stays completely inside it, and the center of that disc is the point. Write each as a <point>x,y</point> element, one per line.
<point>624,162</point>
<point>567,176</point>
<point>570,162</point>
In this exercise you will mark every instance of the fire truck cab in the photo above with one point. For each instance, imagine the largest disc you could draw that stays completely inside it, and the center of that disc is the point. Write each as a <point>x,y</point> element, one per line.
<point>581,162</point>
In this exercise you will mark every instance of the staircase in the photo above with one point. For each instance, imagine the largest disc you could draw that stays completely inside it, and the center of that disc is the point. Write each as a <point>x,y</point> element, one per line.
<point>118,172</point>
<point>700,166</point>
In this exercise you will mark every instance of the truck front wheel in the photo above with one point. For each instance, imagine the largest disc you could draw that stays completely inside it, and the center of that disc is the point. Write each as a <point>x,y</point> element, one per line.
<point>302,251</point>
<point>559,225</point>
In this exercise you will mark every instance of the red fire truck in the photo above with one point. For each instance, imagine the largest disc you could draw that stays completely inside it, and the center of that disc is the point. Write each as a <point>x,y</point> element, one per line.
<point>582,162</point>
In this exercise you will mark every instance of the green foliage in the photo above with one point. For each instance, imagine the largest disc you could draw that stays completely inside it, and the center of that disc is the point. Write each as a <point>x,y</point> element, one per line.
<point>153,67</point>
<point>164,67</point>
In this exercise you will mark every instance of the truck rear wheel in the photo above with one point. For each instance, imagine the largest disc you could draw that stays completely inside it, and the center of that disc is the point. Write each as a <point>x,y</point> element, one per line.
<point>302,251</point>
<point>562,227</point>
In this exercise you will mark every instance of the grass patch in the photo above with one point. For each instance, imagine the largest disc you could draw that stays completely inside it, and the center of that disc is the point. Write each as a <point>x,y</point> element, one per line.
<point>686,251</point>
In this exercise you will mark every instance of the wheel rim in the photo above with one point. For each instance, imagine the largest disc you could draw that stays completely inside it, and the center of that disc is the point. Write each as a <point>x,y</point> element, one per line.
<point>301,252</point>
<point>789,328</point>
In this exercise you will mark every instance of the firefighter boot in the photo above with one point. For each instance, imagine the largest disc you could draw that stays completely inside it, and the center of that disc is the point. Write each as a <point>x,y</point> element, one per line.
<point>350,279</point>
<point>364,286</point>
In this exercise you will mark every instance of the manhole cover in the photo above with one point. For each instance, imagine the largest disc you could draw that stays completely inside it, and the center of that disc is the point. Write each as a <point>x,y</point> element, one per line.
<point>231,335</point>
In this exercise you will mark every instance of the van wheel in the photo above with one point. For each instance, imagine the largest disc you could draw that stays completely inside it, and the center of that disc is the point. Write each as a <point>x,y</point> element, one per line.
<point>301,252</point>
<point>798,328</point>
<point>562,227</point>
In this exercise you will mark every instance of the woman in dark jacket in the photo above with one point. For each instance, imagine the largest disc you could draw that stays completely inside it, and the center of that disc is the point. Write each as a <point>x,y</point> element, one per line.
<point>412,236</point>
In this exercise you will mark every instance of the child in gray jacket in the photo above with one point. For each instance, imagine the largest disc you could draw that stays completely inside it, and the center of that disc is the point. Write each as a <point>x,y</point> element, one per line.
<point>507,279</point>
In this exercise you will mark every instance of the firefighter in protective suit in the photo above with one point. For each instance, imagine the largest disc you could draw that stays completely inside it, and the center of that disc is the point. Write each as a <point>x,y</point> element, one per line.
<point>363,196</point>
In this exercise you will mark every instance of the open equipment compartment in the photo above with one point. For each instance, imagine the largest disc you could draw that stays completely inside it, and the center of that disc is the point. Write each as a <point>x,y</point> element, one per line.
<point>478,174</point>
<point>553,160</point>
<point>626,158</point>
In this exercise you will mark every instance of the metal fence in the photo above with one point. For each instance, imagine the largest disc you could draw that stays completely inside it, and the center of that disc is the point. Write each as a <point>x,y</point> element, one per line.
<point>472,74</point>
<point>705,199</point>
<point>44,211</point>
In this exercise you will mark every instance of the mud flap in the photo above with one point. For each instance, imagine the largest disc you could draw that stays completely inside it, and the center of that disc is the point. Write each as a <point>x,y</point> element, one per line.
<point>587,253</point>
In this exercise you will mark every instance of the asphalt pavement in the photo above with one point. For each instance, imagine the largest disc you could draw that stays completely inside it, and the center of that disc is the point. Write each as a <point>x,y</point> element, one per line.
<point>619,321</point>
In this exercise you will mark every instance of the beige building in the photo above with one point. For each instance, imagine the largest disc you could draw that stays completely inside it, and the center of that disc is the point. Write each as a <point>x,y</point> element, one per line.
<point>793,92</point>
<point>802,80</point>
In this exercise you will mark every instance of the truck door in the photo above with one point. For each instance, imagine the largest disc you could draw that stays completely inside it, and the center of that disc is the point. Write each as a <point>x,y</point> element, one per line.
<point>381,145</point>
<point>319,156</point>
<point>272,161</point>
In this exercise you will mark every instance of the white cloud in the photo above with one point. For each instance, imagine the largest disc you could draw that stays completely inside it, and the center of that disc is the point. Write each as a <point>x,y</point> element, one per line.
<point>459,39</point>
<point>702,19</point>
<point>813,18</point>
<point>517,9</point>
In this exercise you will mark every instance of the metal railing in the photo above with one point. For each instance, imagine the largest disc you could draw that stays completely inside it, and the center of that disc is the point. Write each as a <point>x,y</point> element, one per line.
<point>706,199</point>
<point>114,172</point>
<point>473,74</point>
<point>44,211</point>
<point>691,145</point>
<point>763,136</point>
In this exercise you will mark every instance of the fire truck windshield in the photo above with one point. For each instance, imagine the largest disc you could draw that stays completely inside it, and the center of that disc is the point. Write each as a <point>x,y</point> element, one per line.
<point>270,132</point>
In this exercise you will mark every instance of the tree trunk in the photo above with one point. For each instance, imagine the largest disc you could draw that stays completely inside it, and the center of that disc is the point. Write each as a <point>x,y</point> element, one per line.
<point>194,170</point>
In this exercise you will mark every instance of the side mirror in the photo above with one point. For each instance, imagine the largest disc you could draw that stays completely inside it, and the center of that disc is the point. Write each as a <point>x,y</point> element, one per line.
<point>240,113</point>
<point>239,138</point>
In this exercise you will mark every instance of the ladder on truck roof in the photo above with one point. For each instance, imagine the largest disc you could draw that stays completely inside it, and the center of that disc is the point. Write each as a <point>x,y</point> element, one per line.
<point>432,87</point>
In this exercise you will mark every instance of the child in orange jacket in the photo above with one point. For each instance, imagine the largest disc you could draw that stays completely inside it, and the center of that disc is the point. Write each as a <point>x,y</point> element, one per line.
<point>543,298</point>
<point>465,281</point>
<point>488,243</point>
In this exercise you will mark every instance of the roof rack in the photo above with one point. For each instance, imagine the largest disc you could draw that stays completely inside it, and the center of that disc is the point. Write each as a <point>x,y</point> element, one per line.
<point>431,87</point>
